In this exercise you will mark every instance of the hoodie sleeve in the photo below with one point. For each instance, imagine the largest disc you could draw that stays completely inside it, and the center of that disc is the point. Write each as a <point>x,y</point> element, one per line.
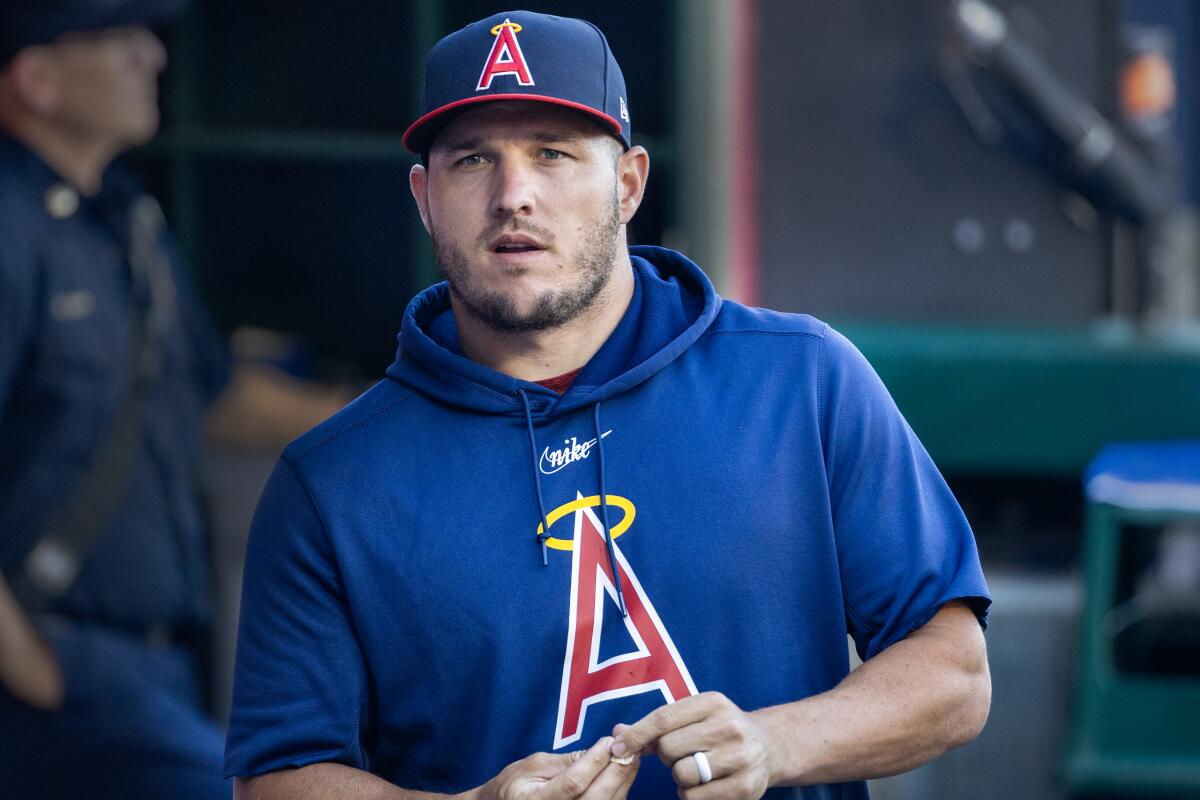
<point>300,683</point>
<point>904,546</point>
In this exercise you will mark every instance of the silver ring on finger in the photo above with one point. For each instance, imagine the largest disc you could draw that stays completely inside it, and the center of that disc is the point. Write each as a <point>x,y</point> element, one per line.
<point>702,766</point>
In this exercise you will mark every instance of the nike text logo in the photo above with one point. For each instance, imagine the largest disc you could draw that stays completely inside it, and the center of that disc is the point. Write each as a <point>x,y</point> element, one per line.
<point>574,450</point>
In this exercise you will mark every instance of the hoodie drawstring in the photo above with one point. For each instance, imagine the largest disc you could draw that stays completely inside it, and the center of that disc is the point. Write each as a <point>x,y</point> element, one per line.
<point>612,555</point>
<point>537,479</point>
<point>537,485</point>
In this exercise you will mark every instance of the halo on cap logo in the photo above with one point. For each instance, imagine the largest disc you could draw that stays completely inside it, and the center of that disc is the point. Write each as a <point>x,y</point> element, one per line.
<point>505,58</point>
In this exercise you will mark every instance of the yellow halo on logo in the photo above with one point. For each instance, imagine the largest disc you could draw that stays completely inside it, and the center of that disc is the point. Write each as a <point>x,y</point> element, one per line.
<point>506,24</point>
<point>588,502</point>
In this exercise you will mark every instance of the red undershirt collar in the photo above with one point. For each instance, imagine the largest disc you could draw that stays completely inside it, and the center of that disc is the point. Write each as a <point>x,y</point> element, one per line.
<point>560,383</point>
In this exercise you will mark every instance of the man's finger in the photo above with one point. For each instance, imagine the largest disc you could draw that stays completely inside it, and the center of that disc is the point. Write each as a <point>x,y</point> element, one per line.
<point>722,762</point>
<point>682,742</point>
<point>623,789</point>
<point>575,779</point>
<point>547,765</point>
<point>613,782</point>
<point>662,720</point>
<point>734,786</point>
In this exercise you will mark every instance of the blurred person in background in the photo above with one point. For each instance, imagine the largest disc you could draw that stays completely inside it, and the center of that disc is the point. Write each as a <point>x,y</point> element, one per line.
<point>107,364</point>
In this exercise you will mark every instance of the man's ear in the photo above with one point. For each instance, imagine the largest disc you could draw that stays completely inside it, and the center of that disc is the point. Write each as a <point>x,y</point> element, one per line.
<point>34,77</point>
<point>633,168</point>
<point>418,182</point>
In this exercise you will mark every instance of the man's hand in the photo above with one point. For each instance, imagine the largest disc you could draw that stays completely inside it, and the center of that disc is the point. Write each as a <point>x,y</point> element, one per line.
<point>28,668</point>
<point>734,743</point>
<point>582,775</point>
<point>912,702</point>
<point>589,775</point>
<point>265,407</point>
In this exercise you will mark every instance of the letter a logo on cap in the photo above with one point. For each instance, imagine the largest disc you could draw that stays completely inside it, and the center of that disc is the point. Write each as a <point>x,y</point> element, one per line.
<point>505,57</point>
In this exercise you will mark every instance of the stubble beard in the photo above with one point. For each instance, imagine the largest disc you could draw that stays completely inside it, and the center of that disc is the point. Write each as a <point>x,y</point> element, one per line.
<point>554,308</point>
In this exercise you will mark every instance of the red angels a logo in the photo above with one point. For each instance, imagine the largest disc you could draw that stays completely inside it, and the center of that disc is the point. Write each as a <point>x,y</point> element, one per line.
<point>505,57</point>
<point>655,666</point>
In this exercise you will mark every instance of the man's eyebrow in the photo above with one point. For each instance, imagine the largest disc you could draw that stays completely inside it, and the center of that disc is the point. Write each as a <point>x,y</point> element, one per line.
<point>564,137</point>
<point>469,142</point>
<point>465,143</point>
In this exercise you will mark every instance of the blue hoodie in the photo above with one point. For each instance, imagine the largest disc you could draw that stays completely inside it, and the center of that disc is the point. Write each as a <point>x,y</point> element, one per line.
<point>430,593</point>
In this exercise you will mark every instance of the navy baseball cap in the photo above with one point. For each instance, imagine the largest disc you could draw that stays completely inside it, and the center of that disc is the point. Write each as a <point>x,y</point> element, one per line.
<point>520,55</point>
<point>24,23</point>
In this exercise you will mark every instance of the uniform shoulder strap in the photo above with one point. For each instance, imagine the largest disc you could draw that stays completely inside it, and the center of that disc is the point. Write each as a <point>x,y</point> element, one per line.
<point>73,531</point>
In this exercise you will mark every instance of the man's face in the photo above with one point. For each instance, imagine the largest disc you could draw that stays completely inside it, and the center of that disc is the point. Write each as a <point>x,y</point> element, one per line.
<point>522,202</point>
<point>107,84</point>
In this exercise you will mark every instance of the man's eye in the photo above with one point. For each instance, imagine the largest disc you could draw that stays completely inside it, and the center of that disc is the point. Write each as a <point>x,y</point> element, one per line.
<point>471,160</point>
<point>553,155</point>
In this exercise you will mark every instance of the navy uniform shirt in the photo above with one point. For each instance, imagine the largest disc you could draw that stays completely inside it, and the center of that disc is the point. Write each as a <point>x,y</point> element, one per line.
<point>66,320</point>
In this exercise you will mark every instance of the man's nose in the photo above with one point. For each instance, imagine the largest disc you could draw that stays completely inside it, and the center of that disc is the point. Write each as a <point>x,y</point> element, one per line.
<point>514,190</point>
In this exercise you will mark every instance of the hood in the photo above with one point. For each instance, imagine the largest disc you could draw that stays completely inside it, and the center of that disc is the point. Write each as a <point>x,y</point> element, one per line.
<point>673,305</point>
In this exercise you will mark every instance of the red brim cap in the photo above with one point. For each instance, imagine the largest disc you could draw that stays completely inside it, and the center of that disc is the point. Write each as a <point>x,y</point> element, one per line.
<point>520,55</point>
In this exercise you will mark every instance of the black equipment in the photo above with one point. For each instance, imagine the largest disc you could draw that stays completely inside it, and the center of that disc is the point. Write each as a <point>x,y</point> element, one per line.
<point>919,169</point>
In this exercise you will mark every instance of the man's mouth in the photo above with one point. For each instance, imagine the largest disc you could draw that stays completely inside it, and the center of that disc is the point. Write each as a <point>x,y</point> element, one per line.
<point>516,244</point>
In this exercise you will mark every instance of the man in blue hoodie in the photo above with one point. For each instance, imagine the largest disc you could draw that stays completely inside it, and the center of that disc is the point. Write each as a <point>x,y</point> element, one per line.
<point>595,512</point>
